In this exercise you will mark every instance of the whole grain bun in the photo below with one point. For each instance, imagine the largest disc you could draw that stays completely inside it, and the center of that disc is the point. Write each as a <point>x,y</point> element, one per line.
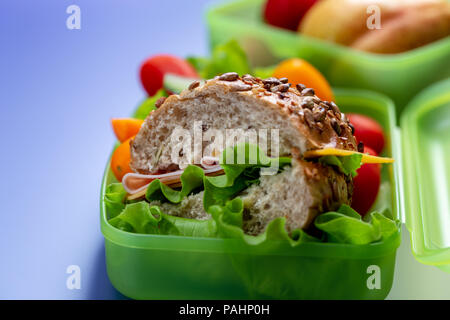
<point>405,24</point>
<point>300,192</point>
<point>303,120</point>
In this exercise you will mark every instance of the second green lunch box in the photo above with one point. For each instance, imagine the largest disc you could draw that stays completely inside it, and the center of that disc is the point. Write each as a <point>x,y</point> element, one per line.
<point>399,76</point>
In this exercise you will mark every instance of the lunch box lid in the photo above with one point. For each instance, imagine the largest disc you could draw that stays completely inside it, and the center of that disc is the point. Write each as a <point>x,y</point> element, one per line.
<point>424,175</point>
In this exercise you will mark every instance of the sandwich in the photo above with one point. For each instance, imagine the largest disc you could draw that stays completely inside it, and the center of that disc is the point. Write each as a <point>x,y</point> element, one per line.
<point>298,152</point>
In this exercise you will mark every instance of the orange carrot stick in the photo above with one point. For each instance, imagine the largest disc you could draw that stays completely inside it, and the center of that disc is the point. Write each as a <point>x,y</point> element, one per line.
<point>120,161</point>
<point>126,128</point>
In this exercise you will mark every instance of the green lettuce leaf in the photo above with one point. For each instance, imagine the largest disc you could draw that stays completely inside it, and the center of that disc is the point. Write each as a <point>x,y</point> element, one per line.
<point>343,226</point>
<point>235,160</point>
<point>229,219</point>
<point>346,226</point>
<point>228,57</point>
<point>140,217</point>
<point>200,64</point>
<point>114,199</point>
<point>148,105</point>
<point>346,164</point>
<point>191,179</point>
<point>136,217</point>
<point>388,227</point>
<point>241,165</point>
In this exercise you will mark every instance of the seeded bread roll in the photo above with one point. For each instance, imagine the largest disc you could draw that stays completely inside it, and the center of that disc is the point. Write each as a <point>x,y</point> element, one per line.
<point>301,191</point>
<point>190,207</point>
<point>299,194</point>
<point>230,102</point>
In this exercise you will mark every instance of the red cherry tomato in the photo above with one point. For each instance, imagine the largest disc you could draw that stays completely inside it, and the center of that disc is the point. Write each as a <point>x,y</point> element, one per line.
<point>366,185</point>
<point>367,131</point>
<point>153,71</point>
<point>286,14</point>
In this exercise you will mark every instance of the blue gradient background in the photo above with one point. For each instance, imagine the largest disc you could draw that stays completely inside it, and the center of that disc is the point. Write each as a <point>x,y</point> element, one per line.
<point>58,90</point>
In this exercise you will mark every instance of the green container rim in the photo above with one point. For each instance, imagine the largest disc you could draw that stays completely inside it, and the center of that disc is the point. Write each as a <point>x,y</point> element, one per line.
<point>215,245</point>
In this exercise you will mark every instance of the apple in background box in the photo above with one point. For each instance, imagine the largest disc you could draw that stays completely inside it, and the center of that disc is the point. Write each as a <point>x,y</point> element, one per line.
<point>286,14</point>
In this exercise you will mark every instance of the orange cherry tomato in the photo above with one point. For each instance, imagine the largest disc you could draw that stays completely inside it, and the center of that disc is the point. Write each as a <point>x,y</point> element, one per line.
<point>120,161</point>
<point>300,71</point>
<point>126,128</point>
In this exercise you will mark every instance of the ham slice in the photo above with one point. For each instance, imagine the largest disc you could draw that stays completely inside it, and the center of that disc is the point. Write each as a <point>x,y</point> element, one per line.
<point>135,182</point>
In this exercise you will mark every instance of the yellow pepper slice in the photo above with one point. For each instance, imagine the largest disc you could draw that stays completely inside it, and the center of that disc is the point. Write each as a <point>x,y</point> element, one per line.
<point>366,158</point>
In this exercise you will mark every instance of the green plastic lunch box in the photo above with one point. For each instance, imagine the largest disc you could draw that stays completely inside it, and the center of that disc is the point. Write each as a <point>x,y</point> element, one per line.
<point>416,189</point>
<point>399,76</point>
